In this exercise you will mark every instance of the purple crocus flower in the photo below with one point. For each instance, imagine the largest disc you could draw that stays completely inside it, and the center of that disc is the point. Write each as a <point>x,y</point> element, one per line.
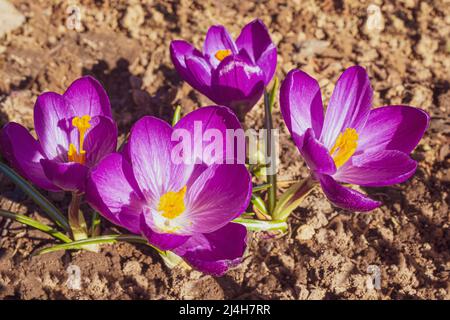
<point>182,207</point>
<point>351,143</point>
<point>74,130</point>
<point>227,72</point>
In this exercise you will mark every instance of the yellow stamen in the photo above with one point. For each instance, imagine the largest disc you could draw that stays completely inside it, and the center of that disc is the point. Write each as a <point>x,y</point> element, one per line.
<point>222,54</point>
<point>172,203</point>
<point>82,124</point>
<point>345,146</point>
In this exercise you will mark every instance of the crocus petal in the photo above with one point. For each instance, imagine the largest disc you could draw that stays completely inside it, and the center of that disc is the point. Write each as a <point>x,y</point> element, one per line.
<point>24,153</point>
<point>301,104</point>
<point>316,154</point>
<point>214,253</point>
<point>163,241</point>
<point>349,105</point>
<point>101,139</point>
<point>344,197</point>
<point>220,194</point>
<point>199,74</point>
<point>68,176</point>
<point>217,38</point>
<point>87,96</point>
<point>179,51</point>
<point>237,84</point>
<point>150,149</point>
<point>393,128</point>
<point>52,116</point>
<point>217,118</point>
<point>113,192</point>
<point>255,40</point>
<point>377,169</point>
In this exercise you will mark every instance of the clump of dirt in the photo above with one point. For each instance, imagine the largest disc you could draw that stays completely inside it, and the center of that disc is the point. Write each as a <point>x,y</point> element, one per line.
<point>328,253</point>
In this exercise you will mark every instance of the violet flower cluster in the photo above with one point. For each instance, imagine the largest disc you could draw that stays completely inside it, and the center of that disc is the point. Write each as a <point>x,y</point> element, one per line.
<point>230,73</point>
<point>188,208</point>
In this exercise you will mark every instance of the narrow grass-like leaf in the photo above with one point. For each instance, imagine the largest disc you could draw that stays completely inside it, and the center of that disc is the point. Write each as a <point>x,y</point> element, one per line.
<point>35,224</point>
<point>176,115</point>
<point>36,196</point>
<point>112,238</point>
<point>261,187</point>
<point>95,225</point>
<point>260,225</point>
<point>258,202</point>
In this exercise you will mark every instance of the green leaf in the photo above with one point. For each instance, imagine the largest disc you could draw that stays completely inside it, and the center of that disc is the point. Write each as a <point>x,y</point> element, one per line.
<point>112,238</point>
<point>261,187</point>
<point>171,260</point>
<point>95,225</point>
<point>292,198</point>
<point>258,202</point>
<point>176,115</point>
<point>35,224</point>
<point>260,225</point>
<point>37,197</point>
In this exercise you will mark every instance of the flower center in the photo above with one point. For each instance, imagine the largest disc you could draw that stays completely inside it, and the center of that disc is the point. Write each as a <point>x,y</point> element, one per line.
<point>222,54</point>
<point>344,147</point>
<point>82,124</point>
<point>171,204</point>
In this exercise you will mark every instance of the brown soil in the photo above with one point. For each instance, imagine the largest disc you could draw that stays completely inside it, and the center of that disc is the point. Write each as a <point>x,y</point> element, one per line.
<point>408,238</point>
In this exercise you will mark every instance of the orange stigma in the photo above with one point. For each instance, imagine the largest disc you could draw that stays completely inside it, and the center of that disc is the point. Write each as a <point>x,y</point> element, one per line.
<point>82,124</point>
<point>222,54</point>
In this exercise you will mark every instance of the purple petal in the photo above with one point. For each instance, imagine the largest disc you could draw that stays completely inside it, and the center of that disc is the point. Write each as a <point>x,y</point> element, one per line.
<point>214,253</point>
<point>68,176</point>
<point>113,192</point>
<point>101,139</point>
<point>301,104</point>
<point>377,168</point>
<point>220,194</point>
<point>163,241</point>
<point>255,40</point>
<point>199,74</point>
<point>87,96</point>
<point>316,155</point>
<point>349,105</point>
<point>237,84</point>
<point>179,51</point>
<point>24,153</point>
<point>346,198</point>
<point>217,38</point>
<point>213,119</point>
<point>393,128</point>
<point>52,122</point>
<point>150,148</point>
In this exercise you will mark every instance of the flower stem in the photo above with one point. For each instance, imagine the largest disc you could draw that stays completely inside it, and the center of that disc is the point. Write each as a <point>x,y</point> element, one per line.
<point>76,218</point>
<point>271,178</point>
